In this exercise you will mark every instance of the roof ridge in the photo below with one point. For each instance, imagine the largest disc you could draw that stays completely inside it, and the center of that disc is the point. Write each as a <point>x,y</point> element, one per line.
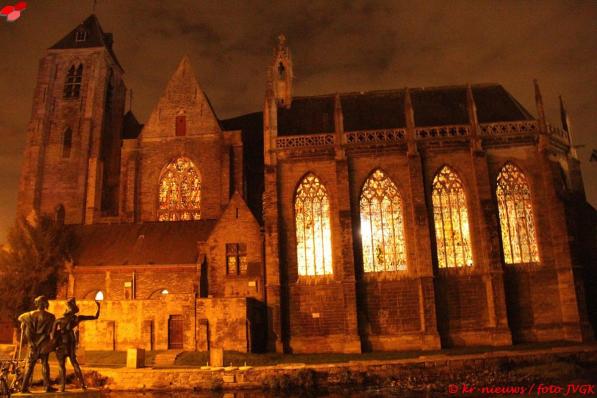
<point>398,90</point>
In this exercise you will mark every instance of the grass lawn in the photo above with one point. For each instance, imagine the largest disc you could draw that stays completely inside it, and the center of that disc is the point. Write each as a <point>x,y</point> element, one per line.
<point>192,359</point>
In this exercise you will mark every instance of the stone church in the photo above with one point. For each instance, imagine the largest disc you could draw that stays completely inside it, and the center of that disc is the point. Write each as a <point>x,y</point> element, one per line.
<point>391,220</point>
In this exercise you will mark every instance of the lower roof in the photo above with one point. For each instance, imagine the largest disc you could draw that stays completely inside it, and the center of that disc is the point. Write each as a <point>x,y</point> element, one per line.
<point>139,244</point>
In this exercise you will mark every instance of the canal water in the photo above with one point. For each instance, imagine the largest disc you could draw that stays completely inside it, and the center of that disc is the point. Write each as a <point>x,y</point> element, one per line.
<point>345,393</point>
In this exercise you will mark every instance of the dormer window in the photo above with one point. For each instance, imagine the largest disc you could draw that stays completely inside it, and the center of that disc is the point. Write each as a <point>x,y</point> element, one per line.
<point>80,36</point>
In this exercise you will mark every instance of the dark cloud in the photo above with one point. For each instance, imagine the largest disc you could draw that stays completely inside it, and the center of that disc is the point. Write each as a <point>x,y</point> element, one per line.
<point>337,46</point>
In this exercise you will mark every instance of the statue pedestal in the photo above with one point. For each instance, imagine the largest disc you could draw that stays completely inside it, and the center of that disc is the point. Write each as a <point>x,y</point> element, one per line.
<point>91,393</point>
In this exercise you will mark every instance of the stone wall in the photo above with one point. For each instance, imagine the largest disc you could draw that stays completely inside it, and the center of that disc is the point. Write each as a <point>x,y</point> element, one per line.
<point>230,323</point>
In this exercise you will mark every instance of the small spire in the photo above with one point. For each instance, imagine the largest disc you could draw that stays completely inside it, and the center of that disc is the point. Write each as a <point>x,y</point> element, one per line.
<point>564,115</point>
<point>471,107</point>
<point>338,116</point>
<point>409,117</point>
<point>567,128</point>
<point>409,111</point>
<point>539,102</point>
<point>282,73</point>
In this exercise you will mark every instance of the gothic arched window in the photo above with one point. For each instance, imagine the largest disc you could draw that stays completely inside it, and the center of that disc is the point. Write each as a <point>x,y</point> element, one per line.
<point>516,216</point>
<point>72,85</point>
<point>313,230</point>
<point>382,226</point>
<point>450,216</point>
<point>180,191</point>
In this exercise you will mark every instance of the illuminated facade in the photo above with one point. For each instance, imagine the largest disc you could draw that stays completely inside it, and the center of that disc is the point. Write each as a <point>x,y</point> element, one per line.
<point>390,220</point>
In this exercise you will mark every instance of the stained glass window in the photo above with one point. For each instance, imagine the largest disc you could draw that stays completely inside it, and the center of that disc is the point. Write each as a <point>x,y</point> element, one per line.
<point>313,233</point>
<point>72,86</point>
<point>382,226</point>
<point>516,216</point>
<point>180,192</point>
<point>450,216</point>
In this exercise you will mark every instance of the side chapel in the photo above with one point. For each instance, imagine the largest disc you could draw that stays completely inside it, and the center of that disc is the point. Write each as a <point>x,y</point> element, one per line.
<point>401,219</point>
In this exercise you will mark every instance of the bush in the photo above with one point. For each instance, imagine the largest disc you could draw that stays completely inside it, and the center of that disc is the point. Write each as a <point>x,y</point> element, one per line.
<point>217,383</point>
<point>95,379</point>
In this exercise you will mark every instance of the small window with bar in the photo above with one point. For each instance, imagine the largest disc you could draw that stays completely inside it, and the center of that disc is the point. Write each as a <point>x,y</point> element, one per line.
<point>236,259</point>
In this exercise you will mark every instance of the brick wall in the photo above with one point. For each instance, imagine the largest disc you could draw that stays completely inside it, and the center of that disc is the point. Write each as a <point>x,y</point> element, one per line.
<point>237,225</point>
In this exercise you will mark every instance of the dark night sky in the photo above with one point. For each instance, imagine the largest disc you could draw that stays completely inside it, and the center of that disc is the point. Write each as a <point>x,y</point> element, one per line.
<point>336,46</point>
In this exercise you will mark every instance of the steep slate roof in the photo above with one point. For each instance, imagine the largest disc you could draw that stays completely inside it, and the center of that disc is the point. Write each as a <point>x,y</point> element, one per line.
<point>139,244</point>
<point>385,109</point>
<point>130,126</point>
<point>95,38</point>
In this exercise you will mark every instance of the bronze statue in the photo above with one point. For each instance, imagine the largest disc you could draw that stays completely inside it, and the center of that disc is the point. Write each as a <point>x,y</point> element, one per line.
<point>37,326</point>
<point>63,335</point>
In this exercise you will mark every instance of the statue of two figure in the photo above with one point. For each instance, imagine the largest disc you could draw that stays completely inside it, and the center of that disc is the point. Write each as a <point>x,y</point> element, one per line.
<point>45,334</point>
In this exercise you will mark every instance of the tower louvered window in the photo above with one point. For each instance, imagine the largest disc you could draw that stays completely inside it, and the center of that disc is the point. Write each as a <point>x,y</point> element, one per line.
<point>313,231</point>
<point>516,216</point>
<point>72,86</point>
<point>450,216</point>
<point>382,226</point>
<point>180,191</point>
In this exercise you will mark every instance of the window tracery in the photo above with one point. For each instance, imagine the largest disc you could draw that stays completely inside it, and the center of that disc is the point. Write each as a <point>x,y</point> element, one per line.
<point>450,216</point>
<point>516,216</point>
<point>382,226</point>
<point>313,230</point>
<point>180,192</point>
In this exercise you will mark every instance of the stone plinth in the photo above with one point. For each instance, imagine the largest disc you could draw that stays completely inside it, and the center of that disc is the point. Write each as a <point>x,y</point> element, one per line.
<point>135,358</point>
<point>216,357</point>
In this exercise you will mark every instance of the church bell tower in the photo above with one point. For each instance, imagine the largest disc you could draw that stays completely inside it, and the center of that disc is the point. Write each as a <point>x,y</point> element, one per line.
<point>72,155</point>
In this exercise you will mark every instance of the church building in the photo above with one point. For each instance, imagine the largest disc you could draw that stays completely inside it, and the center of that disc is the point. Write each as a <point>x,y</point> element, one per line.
<point>403,219</point>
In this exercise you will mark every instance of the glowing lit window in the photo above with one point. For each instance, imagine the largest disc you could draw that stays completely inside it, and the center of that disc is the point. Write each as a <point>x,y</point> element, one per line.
<point>450,216</point>
<point>180,192</point>
<point>382,227</point>
<point>313,234</point>
<point>516,216</point>
<point>72,85</point>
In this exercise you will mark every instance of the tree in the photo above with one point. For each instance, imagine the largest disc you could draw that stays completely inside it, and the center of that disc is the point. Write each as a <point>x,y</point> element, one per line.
<point>32,263</point>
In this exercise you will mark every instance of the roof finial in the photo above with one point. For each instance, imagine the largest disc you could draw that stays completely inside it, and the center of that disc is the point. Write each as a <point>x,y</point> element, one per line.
<point>94,4</point>
<point>567,128</point>
<point>539,102</point>
<point>409,117</point>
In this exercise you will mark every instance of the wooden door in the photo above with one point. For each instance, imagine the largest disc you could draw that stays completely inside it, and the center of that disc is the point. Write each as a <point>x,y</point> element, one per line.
<point>175,332</point>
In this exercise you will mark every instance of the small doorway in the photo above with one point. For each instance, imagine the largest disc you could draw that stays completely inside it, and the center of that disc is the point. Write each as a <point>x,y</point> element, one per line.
<point>175,332</point>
